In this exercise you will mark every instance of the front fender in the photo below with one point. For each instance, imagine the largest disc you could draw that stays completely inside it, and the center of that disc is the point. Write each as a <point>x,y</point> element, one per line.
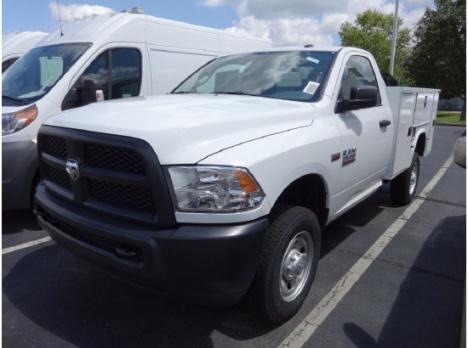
<point>279,160</point>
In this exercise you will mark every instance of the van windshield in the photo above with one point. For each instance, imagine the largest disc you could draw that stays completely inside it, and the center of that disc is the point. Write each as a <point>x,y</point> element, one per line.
<point>290,75</point>
<point>33,75</point>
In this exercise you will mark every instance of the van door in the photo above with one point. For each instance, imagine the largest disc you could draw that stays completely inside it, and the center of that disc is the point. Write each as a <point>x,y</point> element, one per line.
<point>366,134</point>
<point>113,74</point>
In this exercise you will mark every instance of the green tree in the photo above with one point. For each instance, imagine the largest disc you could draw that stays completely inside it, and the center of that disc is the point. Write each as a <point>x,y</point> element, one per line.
<point>372,31</point>
<point>439,54</point>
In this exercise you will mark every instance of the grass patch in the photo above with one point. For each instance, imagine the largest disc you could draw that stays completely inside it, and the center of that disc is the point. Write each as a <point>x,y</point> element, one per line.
<point>449,117</point>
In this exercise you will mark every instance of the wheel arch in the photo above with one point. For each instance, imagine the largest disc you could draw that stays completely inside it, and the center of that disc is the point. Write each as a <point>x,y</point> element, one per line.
<point>420,144</point>
<point>309,191</point>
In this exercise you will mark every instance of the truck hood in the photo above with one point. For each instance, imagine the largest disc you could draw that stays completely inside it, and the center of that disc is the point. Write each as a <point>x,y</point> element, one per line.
<point>188,128</point>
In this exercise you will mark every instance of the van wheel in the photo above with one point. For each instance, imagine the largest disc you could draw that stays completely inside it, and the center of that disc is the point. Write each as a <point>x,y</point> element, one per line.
<point>288,263</point>
<point>403,187</point>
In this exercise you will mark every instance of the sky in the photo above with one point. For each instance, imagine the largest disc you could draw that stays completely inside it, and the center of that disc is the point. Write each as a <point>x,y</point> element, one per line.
<point>285,22</point>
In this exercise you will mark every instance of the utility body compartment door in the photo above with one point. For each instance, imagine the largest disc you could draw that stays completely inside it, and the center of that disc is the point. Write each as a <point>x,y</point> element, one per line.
<point>404,120</point>
<point>423,112</point>
<point>430,135</point>
<point>414,111</point>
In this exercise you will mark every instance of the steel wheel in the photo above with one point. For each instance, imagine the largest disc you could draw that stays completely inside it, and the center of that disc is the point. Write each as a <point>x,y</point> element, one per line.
<point>413,178</point>
<point>296,265</point>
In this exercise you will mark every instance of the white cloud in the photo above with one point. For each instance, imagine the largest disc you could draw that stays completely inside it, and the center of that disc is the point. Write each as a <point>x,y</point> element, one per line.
<point>213,3</point>
<point>412,17</point>
<point>74,12</point>
<point>284,31</point>
<point>295,22</point>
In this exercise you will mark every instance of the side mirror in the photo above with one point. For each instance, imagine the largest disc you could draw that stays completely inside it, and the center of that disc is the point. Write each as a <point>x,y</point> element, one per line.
<point>80,94</point>
<point>459,152</point>
<point>360,97</point>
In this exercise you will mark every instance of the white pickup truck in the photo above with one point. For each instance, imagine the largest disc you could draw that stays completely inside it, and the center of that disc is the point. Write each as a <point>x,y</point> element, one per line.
<point>222,188</point>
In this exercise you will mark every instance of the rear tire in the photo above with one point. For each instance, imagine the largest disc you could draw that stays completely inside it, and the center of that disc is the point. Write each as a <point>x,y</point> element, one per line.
<point>403,187</point>
<point>288,263</point>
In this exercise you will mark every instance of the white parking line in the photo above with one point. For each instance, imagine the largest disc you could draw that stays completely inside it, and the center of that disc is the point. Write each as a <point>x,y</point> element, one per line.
<point>26,245</point>
<point>299,336</point>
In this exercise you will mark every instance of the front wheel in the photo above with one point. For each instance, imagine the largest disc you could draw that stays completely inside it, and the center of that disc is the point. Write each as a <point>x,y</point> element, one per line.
<point>403,187</point>
<point>288,264</point>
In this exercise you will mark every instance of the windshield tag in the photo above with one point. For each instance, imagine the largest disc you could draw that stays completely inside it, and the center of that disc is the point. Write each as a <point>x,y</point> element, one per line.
<point>311,87</point>
<point>313,60</point>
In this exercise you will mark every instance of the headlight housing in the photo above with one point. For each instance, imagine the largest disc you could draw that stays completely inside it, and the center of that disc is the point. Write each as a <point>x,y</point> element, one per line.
<point>214,189</point>
<point>14,121</point>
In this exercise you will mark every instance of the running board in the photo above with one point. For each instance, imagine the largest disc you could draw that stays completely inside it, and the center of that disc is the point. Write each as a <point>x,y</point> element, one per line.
<point>359,197</point>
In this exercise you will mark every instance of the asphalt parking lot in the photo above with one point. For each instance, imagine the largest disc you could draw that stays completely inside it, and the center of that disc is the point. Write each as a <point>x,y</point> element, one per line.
<point>411,295</point>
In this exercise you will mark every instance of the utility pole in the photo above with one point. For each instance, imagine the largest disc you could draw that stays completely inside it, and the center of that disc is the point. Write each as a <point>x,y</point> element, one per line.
<point>394,38</point>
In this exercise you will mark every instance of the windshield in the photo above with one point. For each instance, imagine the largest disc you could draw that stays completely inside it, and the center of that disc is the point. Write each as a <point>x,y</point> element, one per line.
<point>33,75</point>
<point>290,75</point>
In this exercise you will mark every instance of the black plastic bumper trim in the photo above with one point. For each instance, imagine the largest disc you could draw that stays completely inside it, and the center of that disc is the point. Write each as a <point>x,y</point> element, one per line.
<point>209,264</point>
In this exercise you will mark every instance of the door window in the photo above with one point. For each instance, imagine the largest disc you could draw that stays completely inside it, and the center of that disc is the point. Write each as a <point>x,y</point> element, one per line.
<point>358,72</point>
<point>97,74</point>
<point>126,73</point>
<point>117,72</point>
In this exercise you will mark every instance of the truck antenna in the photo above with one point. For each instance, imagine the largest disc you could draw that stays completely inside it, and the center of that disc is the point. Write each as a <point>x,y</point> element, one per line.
<point>59,18</point>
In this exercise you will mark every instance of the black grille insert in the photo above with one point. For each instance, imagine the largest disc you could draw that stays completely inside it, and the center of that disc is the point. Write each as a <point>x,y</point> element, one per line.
<point>59,177</point>
<point>114,158</point>
<point>137,198</point>
<point>55,146</point>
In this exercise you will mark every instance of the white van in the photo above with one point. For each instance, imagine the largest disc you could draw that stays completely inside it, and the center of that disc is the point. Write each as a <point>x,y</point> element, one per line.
<point>106,57</point>
<point>14,45</point>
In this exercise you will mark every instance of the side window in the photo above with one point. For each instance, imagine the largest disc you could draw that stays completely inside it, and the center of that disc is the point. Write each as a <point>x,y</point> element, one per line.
<point>96,75</point>
<point>116,72</point>
<point>358,72</point>
<point>126,73</point>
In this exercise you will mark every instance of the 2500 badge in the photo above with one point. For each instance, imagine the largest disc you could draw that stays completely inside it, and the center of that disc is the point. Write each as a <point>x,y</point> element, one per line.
<point>349,156</point>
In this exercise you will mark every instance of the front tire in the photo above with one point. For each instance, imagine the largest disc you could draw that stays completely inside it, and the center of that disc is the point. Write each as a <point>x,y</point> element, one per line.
<point>403,187</point>
<point>288,264</point>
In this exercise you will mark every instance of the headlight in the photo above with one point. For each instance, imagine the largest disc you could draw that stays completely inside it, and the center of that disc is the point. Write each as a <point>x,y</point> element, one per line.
<point>214,189</point>
<point>14,121</point>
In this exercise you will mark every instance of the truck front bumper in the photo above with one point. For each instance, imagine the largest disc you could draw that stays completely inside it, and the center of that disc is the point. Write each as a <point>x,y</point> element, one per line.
<point>208,264</point>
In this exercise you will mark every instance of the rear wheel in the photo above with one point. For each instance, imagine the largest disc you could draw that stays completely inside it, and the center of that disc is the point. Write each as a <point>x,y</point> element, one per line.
<point>403,187</point>
<point>288,264</point>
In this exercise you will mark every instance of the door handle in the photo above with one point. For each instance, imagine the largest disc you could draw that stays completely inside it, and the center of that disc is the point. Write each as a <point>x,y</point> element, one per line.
<point>384,123</point>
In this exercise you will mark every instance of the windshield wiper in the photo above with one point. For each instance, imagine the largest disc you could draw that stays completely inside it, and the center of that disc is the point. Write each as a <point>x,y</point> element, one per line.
<point>12,99</point>
<point>236,93</point>
<point>183,92</point>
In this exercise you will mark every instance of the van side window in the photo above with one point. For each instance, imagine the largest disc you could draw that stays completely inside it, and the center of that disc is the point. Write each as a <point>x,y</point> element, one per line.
<point>126,73</point>
<point>358,72</point>
<point>116,72</point>
<point>97,73</point>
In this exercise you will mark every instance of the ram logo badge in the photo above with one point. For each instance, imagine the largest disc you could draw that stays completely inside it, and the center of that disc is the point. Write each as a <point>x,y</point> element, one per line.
<point>73,169</point>
<point>349,156</point>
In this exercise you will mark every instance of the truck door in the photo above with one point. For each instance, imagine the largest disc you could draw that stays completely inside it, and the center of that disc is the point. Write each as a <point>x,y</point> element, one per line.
<point>367,133</point>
